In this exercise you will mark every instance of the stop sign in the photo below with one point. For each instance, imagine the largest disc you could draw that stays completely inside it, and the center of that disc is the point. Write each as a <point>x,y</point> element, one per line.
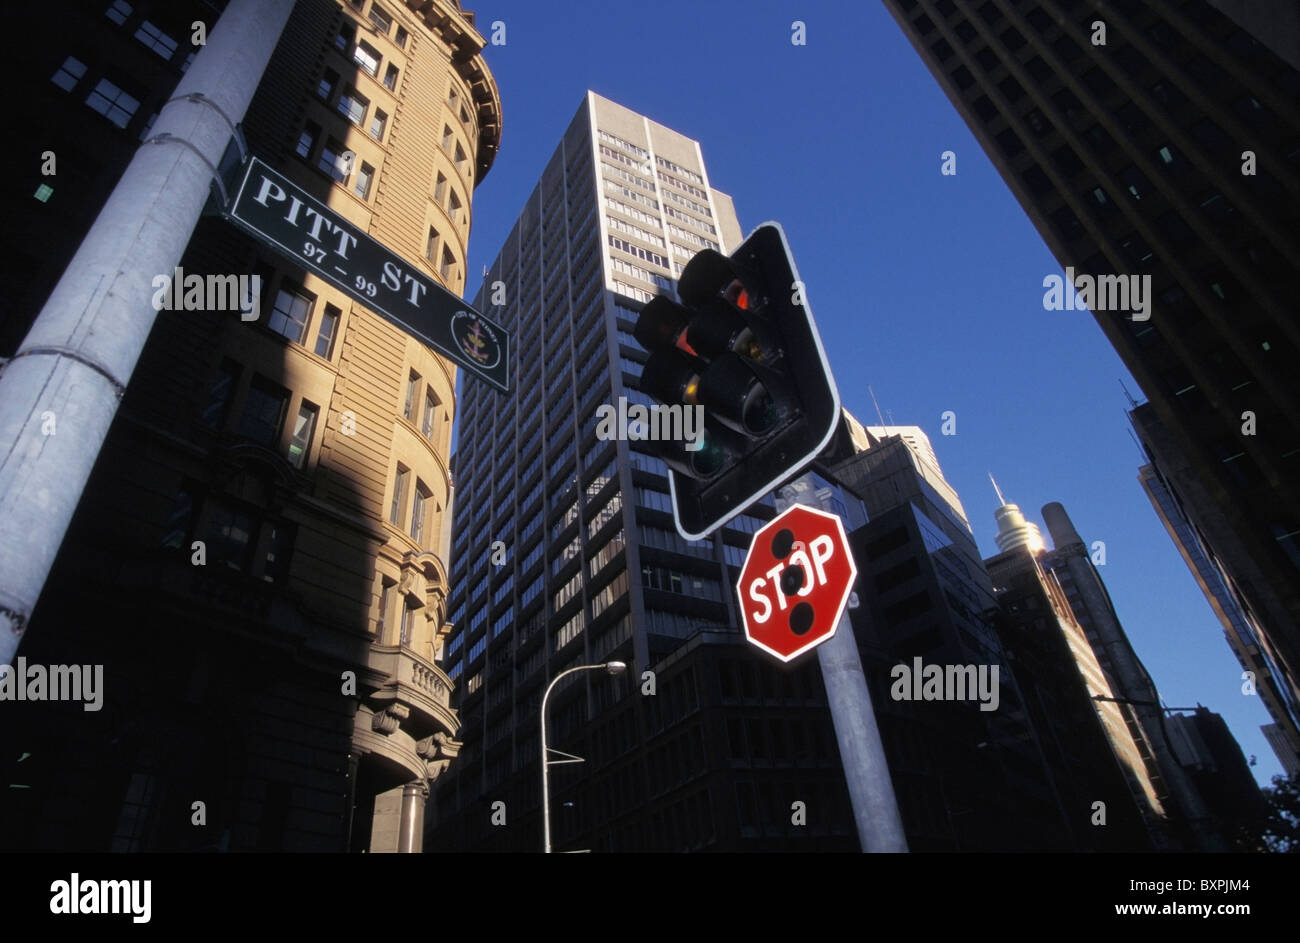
<point>796,580</point>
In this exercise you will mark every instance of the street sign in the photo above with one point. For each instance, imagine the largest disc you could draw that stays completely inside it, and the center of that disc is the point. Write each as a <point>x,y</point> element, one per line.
<point>283,215</point>
<point>796,581</point>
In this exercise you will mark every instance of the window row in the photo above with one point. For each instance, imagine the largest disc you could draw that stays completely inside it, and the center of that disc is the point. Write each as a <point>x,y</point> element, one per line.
<point>422,504</point>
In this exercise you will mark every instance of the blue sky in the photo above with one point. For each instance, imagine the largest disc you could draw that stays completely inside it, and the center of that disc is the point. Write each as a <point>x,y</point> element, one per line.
<point>928,288</point>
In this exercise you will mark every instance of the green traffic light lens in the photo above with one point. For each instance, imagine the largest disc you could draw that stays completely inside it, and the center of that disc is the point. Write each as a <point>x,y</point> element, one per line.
<point>759,414</point>
<point>710,457</point>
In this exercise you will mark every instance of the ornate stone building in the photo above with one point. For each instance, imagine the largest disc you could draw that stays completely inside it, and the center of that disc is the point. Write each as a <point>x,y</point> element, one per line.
<point>259,559</point>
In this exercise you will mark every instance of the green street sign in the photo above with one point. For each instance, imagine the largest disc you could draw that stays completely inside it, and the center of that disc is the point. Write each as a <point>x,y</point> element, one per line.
<point>281,214</point>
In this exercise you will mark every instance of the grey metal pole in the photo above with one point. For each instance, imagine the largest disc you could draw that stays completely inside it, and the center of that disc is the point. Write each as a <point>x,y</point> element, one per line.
<point>75,362</point>
<point>871,791</point>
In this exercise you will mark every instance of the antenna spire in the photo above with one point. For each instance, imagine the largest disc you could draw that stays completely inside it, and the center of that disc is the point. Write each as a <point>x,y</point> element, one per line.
<point>1002,502</point>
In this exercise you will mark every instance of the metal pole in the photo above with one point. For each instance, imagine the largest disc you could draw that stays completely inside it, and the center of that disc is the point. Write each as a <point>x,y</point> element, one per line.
<point>79,354</point>
<point>871,792</point>
<point>612,667</point>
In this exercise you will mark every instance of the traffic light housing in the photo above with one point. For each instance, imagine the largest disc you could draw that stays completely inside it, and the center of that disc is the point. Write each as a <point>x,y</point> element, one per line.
<point>742,348</point>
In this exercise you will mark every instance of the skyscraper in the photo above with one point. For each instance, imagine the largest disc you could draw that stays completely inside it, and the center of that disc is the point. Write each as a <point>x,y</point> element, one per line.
<point>564,547</point>
<point>1158,143</point>
<point>257,561</point>
<point>1090,752</point>
<point>1189,517</point>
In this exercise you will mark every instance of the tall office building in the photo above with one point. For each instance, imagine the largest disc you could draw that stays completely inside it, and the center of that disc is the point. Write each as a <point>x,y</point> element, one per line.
<point>564,549</point>
<point>258,561</point>
<point>1162,140</point>
<point>1188,515</point>
<point>1072,567</point>
<point>1090,751</point>
<point>969,773</point>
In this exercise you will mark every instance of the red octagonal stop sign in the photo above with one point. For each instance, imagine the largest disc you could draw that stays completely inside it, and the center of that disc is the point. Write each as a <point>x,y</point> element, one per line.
<point>796,581</point>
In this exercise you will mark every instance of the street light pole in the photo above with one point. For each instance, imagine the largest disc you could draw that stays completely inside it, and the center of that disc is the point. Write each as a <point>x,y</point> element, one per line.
<point>614,668</point>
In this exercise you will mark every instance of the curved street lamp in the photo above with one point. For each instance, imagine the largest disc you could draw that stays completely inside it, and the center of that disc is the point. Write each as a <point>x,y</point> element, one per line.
<point>614,668</point>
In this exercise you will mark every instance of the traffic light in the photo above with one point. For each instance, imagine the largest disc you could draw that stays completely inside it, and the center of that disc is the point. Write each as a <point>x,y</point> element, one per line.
<point>741,348</point>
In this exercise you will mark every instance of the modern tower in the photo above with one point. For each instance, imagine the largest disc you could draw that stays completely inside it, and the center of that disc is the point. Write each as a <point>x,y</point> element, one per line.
<point>258,560</point>
<point>1160,142</point>
<point>564,547</point>
<point>1090,751</point>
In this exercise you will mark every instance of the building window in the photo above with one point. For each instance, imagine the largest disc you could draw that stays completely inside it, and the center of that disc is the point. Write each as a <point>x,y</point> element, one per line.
<point>440,188</point>
<point>334,162</point>
<point>228,536</point>
<point>290,313</point>
<point>408,624</point>
<point>113,103</point>
<point>156,40</point>
<point>353,106</point>
<point>364,176</point>
<point>304,428</point>
<point>387,589</point>
<point>329,81</point>
<point>412,387</point>
<point>431,247</point>
<point>263,412</point>
<point>69,74</point>
<point>399,496</point>
<point>400,37</point>
<point>390,77</point>
<point>453,207</point>
<point>447,138</point>
<point>430,413</point>
<point>279,540</point>
<point>419,511</point>
<point>383,22</point>
<point>377,124</point>
<point>220,394</point>
<point>329,325</point>
<point>180,522</point>
<point>367,56</point>
<point>448,264</point>
<point>460,157</point>
<point>347,32</point>
<point>307,140</point>
<point>118,11</point>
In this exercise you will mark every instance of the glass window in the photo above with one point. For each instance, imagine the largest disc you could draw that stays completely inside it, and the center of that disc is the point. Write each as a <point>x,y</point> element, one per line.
<point>390,77</point>
<point>113,103</point>
<point>399,496</point>
<point>400,37</point>
<point>220,394</point>
<point>228,536</point>
<point>364,177</point>
<point>329,80</point>
<point>118,11</point>
<point>347,32</point>
<point>304,428</point>
<point>307,139</point>
<point>419,511</point>
<point>383,22</point>
<point>377,124</point>
<point>156,40</point>
<point>335,160</point>
<point>430,413</point>
<point>329,325</point>
<point>69,73</point>
<point>263,412</point>
<point>353,106</point>
<point>412,387</point>
<point>290,313</point>
<point>431,247</point>
<point>366,56</point>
